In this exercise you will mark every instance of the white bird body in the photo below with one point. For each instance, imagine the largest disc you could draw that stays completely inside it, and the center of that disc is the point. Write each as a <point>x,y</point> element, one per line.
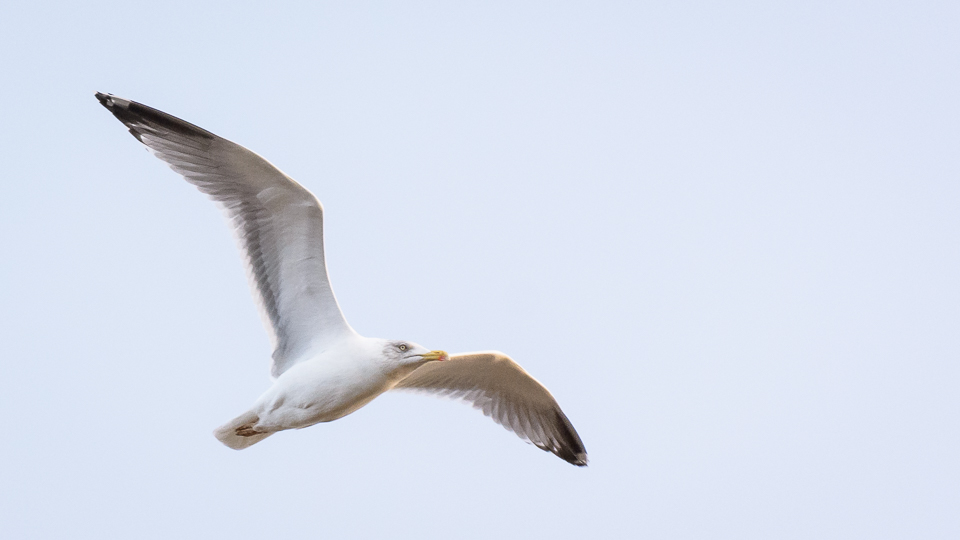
<point>323,369</point>
<point>330,385</point>
<point>324,388</point>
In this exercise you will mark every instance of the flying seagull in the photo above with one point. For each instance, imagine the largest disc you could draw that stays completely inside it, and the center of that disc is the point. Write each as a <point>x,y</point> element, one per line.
<point>323,369</point>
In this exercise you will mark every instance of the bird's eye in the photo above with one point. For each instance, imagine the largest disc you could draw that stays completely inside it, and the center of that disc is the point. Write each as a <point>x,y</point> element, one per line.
<point>402,347</point>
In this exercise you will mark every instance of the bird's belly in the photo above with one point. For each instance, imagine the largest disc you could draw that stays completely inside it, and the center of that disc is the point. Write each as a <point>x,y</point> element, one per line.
<point>309,402</point>
<point>296,416</point>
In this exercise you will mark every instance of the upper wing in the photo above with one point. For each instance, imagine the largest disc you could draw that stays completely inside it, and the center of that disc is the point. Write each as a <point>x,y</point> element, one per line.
<point>494,383</point>
<point>279,224</point>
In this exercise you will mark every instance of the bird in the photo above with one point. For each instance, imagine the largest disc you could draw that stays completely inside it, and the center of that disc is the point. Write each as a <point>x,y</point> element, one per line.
<point>322,369</point>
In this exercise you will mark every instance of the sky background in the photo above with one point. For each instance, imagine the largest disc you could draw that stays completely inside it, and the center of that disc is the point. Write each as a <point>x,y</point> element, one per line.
<point>724,235</point>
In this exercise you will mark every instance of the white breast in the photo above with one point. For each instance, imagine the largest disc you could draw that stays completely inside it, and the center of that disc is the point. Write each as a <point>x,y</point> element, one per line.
<point>327,387</point>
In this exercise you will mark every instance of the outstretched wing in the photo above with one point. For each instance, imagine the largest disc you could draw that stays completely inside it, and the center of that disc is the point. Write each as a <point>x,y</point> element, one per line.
<point>495,384</point>
<point>279,224</point>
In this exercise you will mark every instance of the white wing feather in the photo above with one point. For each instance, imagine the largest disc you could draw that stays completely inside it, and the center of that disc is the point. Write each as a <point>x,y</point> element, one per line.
<point>494,383</point>
<point>279,224</point>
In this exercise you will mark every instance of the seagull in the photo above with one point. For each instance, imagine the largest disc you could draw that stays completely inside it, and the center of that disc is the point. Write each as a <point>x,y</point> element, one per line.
<point>322,369</point>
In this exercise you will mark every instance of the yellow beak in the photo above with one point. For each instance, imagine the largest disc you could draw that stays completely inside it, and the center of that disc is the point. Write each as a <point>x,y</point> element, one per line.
<point>436,355</point>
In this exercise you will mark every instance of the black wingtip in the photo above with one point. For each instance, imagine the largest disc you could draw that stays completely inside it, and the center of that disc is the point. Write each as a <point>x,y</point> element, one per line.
<point>571,447</point>
<point>134,114</point>
<point>111,102</point>
<point>578,459</point>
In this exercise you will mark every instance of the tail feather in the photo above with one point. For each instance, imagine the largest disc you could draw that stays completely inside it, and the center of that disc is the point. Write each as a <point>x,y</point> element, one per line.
<point>230,433</point>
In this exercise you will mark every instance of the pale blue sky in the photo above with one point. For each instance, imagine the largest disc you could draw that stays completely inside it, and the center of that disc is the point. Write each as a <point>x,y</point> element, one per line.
<point>724,235</point>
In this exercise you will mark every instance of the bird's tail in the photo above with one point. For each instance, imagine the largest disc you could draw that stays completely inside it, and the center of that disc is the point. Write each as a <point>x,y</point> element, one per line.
<point>239,433</point>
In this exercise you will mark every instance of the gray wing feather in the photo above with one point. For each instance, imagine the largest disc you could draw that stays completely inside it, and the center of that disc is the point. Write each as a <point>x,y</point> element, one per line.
<point>278,222</point>
<point>498,386</point>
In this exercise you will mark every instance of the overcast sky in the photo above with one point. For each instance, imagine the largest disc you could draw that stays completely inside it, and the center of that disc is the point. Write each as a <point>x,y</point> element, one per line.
<point>724,235</point>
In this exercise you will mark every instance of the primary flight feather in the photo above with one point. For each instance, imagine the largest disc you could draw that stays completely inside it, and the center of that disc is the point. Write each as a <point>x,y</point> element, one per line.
<point>323,369</point>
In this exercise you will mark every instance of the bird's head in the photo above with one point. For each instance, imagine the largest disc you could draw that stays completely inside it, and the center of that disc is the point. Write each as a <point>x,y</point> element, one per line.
<point>407,356</point>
